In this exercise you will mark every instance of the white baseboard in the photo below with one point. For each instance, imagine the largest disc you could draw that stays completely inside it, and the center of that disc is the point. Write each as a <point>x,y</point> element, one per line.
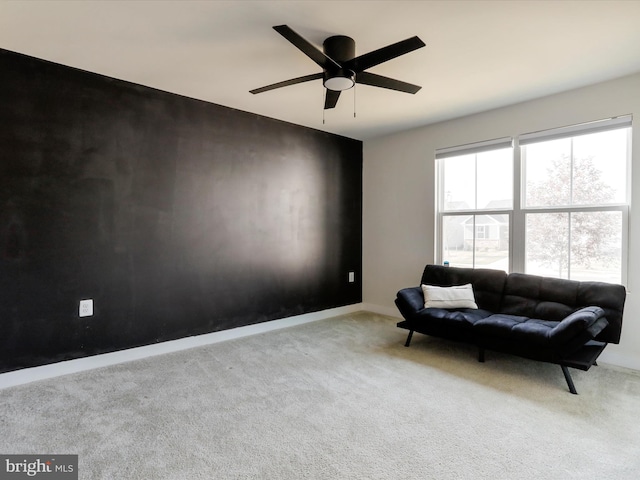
<point>27,375</point>
<point>611,357</point>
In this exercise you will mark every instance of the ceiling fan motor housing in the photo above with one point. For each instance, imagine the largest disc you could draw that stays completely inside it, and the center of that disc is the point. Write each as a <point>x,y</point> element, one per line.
<point>341,49</point>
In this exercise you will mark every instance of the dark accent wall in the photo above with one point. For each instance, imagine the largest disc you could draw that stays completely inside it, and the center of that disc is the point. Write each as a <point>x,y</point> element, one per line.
<point>176,216</point>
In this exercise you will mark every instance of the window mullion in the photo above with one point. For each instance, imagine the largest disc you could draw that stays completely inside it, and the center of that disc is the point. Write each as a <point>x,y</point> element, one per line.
<point>475,182</point>
<point>571,166</point>
<point>473,248</point>
<point>625,244</point>
<point>517,234</point>
<point>569,245</point>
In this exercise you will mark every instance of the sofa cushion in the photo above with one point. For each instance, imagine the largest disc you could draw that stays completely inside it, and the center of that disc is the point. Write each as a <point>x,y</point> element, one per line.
<point>534,332</point>
<point>498,325</point>
<point>516,329</point>
<point>454,324</point>
<point>467,315</point>
<point>457,296</point>
<point>563,337</point>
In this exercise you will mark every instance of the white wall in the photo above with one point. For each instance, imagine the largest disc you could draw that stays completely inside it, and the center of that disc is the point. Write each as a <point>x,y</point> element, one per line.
<point>399,198</point>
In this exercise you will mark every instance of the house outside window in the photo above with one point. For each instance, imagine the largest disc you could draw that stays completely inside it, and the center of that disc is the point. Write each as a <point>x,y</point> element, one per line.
<point>555,205</point>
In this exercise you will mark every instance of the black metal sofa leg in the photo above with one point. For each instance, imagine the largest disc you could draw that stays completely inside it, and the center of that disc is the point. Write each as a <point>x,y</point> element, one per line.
<point>567,377</point>
<point>408,342</point>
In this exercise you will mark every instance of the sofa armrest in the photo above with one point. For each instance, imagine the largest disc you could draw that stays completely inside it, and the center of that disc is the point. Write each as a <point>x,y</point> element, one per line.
<point>578,328</point>
<point>409,301</point>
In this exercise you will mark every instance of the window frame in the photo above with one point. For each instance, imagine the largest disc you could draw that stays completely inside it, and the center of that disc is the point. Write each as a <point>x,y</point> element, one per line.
<point>441,212</point>
<point>518,212</point>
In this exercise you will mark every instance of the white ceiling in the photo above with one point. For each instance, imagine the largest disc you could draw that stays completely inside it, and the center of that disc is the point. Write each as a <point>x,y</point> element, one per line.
<point>479,55</point>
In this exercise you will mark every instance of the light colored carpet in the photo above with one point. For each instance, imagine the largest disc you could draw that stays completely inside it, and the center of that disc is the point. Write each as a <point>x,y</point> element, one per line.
<point>335,399</point>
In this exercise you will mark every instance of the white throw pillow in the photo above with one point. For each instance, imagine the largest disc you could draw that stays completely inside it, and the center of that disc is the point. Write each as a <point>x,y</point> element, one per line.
<point>458,296</point>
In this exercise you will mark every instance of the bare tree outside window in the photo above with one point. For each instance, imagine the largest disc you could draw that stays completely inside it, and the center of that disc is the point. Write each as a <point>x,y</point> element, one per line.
<point>568,243</point>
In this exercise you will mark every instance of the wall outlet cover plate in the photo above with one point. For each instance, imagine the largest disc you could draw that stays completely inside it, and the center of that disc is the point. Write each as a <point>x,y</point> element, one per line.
<point>86,308</point>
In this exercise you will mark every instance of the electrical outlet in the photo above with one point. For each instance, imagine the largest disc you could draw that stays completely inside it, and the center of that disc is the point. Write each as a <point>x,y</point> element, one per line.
<point>352,277</point>
<point>86,308</point>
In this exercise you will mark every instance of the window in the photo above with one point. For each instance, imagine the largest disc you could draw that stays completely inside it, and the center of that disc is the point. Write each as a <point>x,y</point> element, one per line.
<point>564,216</point>
<point>475,203</point>
<point>575,200</point>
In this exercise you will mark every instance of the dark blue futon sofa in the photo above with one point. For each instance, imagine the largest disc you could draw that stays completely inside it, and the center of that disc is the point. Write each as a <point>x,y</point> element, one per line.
<point>565,322</point>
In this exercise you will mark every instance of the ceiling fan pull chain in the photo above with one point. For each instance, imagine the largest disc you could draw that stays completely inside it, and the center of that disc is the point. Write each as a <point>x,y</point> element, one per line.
<point>323,109</point>
<point>354,100</point>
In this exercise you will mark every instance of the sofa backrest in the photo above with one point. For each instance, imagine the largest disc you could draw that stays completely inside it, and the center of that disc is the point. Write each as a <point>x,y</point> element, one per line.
<point>539,297</point>
<point>554,299</point>
<point>488,284</point>
<point>533,296</point>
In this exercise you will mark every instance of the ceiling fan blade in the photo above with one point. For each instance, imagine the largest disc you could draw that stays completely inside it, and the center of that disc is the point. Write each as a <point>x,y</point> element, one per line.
<point>331,98</point>
<point>384,54</point>
<point>374,80</point>
<point>307,48</point>
<point>286,83</point>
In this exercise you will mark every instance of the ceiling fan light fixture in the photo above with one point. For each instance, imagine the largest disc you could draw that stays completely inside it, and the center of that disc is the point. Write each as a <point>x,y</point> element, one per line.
<point>339,83</point>
<point>339,80</point>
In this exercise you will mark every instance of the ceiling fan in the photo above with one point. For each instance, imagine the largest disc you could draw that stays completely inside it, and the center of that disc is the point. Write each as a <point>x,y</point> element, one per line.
<point>341,69</point>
